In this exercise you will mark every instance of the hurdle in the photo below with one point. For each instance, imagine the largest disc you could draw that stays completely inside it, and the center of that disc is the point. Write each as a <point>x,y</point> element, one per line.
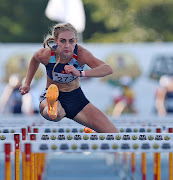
<point>14,130</point>
<point>14,140</point>
<point>104,142</point>
<point>80,129</point>
<point>7,147</point>
<point>42,146</point>
<point>166,137</point>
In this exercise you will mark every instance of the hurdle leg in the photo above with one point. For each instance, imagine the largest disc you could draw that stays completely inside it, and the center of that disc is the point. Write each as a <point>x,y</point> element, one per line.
<point>23,166</point>
<point>133,165</point>
<point>28,161</point>
<point>155,166</point>
<point>170,166</point>
<point>159,167</point>
<point>17,157</point>
<point>144,169</point>
<point>36,167</point>
<point>7,162</point>
<point>32,165</point>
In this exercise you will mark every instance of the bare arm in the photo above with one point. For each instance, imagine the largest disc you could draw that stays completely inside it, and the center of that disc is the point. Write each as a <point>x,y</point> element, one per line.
<point>98,67</point>
<point>33,66</point>
<point>5,97</point>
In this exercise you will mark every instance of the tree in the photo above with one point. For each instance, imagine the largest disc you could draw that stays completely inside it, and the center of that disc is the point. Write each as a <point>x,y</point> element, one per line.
<point>130,21</point>
<point>23,20</point>
<point>106,20</point>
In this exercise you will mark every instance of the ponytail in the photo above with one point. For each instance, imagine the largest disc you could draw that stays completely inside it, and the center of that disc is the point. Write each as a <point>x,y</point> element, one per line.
<point>46,42</point>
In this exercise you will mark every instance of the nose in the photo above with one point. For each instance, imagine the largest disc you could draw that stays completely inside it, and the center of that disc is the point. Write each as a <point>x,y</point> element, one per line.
<point>67,45</point>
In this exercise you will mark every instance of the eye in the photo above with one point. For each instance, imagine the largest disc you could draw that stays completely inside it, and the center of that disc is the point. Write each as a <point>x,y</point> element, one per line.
<point>71,41</point>
<point>63,41</point>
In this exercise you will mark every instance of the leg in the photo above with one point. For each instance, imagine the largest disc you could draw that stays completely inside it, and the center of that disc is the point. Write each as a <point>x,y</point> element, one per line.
<point>92,117</point>
<point>44,111</point>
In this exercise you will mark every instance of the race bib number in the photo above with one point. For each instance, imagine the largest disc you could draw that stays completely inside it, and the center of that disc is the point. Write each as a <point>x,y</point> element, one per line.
<point>63,78</point>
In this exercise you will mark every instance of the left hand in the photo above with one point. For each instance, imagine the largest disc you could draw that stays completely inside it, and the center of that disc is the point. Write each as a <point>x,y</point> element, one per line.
<point>70,69</point>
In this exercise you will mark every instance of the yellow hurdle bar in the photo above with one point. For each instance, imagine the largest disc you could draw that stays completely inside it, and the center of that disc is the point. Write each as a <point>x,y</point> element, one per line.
<point>170,166</point>
<point>155,166</point>
<point>159,168</point>
<point>17,157</point>
<point>144,169</point>
<point>32,165</point>
<point>36,167</point>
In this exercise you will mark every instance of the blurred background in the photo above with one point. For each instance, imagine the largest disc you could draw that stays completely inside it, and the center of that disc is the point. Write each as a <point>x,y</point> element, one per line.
<point>134,37</point>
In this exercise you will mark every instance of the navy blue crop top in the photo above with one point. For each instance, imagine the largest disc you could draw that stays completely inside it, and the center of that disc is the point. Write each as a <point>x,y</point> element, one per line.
<point>59,74</point>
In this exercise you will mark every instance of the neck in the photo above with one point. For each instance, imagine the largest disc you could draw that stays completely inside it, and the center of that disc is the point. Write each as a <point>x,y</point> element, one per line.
<point>65,59</point>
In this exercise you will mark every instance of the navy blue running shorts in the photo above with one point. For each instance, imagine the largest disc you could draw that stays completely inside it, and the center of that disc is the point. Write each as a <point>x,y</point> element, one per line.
<point>72,102</point>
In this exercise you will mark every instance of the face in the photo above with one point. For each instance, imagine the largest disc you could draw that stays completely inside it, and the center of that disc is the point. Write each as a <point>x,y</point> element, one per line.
<point>66,43</point>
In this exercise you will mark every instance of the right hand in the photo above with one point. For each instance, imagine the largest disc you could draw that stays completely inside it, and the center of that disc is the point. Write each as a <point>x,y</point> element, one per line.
<point>24,89</point>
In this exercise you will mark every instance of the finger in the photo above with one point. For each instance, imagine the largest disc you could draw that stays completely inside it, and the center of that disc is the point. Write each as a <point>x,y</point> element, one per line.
<point>22,91</point>
<point>67,71</point>
<point>66,68</point>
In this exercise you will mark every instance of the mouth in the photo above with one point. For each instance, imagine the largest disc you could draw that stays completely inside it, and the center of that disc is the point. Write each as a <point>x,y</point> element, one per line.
<point>66,51</point>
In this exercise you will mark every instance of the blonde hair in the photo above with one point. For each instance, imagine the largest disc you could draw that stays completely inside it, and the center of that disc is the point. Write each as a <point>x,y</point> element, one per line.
<point>56,30</point>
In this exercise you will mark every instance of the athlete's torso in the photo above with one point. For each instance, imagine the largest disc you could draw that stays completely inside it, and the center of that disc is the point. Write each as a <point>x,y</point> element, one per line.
<point>57,73</point>
<point>65,82</point>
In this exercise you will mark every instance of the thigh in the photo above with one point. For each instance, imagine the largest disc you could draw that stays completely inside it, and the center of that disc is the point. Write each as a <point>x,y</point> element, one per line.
<point>43,107</point>
<point>92,117</point>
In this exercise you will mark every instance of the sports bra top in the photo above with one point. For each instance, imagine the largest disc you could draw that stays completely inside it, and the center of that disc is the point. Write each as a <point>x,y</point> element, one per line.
<point>57,73</point>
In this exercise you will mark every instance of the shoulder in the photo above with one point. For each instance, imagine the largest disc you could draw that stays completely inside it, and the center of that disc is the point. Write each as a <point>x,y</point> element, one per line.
<point>43,55</point>
<point>82,51</point>
<point>86,57</point>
